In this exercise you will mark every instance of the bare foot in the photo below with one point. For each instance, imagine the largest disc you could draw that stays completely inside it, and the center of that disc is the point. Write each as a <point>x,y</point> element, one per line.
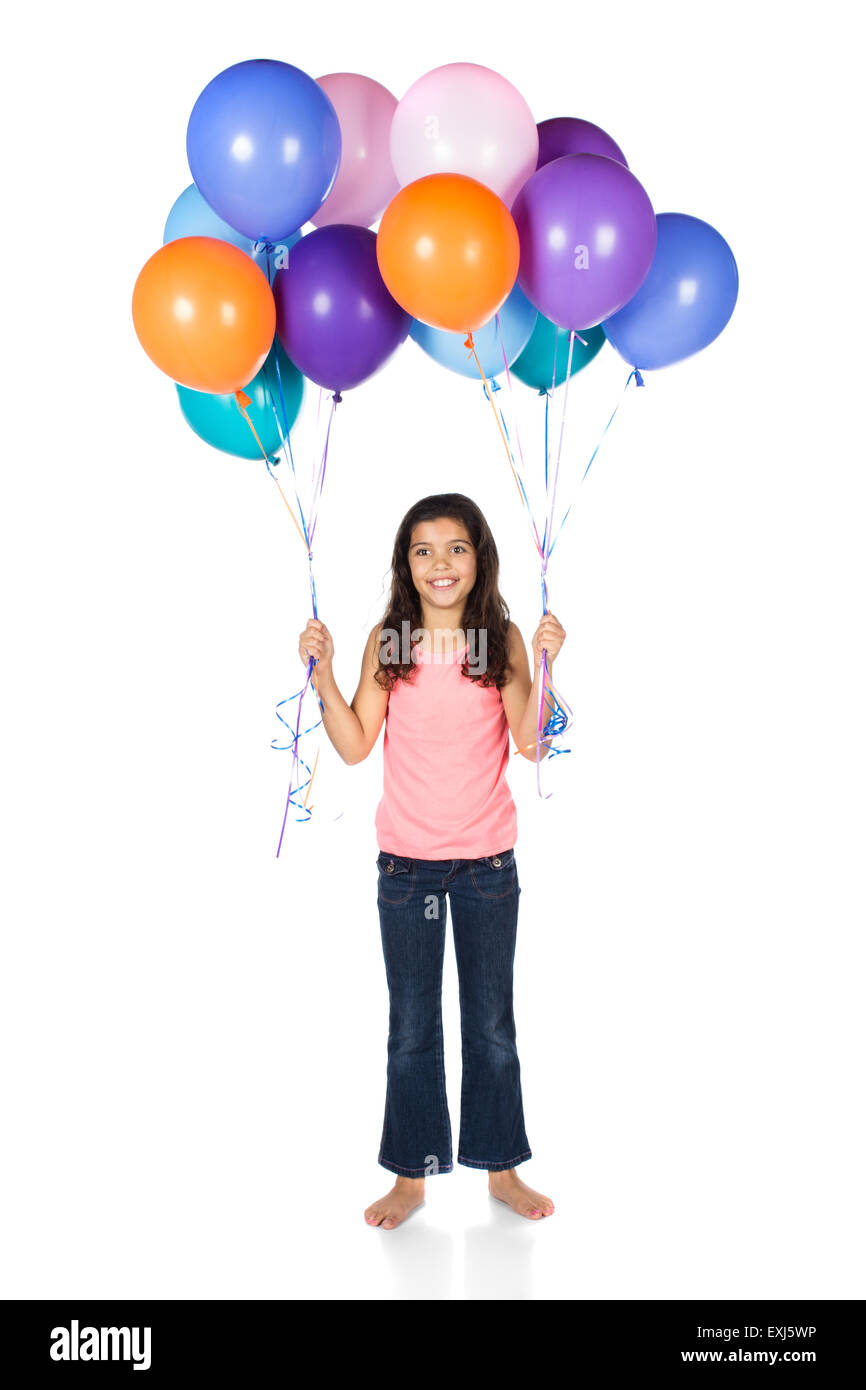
<point>508,1187</point>
<point>389,1211</point>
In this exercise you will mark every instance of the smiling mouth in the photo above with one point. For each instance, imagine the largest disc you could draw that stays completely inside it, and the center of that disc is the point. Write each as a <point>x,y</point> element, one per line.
<point>442,583</point>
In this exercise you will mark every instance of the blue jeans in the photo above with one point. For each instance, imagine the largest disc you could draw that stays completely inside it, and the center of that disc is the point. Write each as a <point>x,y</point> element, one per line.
<point>484,894</point>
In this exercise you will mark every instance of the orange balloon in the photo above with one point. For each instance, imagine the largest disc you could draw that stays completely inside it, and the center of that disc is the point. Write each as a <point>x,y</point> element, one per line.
<point>448,251</point>
<point>204,313</point>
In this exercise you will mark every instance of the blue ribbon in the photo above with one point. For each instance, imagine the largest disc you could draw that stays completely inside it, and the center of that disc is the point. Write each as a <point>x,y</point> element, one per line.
<point>638,380</point>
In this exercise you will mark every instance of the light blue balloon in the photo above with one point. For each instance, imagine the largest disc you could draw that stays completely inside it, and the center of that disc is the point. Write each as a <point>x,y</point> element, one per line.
<point>192,216</point>
<point>516,322</point>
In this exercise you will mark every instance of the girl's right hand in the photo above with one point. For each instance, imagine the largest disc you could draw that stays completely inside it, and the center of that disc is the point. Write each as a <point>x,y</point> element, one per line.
<point>316,641</point>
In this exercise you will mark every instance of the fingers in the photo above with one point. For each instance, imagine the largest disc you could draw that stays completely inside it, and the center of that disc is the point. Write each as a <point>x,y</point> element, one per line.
<point>549,618</point>
<point>315,641</point>
<point>549,637</point>
<point>550,626</point>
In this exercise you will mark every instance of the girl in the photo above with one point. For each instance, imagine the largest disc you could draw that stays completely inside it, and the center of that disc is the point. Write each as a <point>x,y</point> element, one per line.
<point>450,671</point>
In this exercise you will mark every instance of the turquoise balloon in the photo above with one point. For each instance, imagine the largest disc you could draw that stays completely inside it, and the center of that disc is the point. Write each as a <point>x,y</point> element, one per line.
<point>192,216</point>
<point>218,421</point>
<point>516,321</point>
<point>534,366</point>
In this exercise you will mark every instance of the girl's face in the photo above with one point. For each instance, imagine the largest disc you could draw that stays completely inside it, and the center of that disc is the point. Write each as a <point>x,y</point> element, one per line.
<point>443,562</point>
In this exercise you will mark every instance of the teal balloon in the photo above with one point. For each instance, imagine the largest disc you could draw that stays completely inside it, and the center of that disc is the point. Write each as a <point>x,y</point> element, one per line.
<point>218,421</point>
<point>516,320</point>
<point>534,366</point>
<point>192,216</point>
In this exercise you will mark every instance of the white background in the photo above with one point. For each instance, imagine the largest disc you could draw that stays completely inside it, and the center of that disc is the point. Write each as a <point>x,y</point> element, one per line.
<point>193,1032</point>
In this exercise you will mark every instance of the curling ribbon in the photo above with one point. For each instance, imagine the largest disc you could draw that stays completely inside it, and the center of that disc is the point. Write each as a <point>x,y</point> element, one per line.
<point>306,530</point>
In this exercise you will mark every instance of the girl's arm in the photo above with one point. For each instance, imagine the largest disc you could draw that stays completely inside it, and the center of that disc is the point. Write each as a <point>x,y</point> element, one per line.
<point>521,693</point>
<point>353,729</point>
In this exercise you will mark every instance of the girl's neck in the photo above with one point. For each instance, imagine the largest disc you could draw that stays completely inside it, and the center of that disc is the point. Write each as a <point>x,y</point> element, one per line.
<point>442,630</point>
<point>439,623</point>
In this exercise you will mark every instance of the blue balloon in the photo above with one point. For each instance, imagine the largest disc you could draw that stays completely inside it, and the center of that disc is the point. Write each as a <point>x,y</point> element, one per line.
<point>192,216</point>
<point>264,146</point>
<point>516,322</point>
<point>685,300</point>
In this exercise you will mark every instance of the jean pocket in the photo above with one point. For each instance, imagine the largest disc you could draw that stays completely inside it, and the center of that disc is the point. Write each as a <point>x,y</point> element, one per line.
<point>495,875</point>
<point>396,878</point>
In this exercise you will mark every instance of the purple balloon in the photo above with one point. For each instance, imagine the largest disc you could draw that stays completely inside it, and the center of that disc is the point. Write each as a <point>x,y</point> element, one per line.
<point>587,239</point>
<point>335,318</point>
<point>569,135</point>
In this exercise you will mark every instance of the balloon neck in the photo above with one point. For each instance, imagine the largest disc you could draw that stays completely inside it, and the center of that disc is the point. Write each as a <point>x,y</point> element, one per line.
<point>470,344</point>
<point>638,379</point>
<point>337,398</point>
<point>242,399</point>
<point>542,391</point>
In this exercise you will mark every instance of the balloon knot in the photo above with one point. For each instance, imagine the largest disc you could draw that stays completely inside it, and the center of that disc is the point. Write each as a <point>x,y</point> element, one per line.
<point>337,398</point>
<point>242,399</point>
<point>469,343</point>
<point>638,379</point>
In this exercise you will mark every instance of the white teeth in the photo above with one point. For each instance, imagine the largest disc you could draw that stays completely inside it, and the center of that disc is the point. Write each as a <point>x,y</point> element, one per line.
<point>442,583</point>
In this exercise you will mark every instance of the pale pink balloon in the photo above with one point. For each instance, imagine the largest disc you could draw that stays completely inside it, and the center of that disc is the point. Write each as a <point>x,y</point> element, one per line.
<point>365,182</point>
<point>465,119</point>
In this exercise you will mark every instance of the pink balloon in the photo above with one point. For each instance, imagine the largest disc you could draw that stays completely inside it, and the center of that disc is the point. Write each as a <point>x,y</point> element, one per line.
<point>365,182</point>
<point>465,119</point>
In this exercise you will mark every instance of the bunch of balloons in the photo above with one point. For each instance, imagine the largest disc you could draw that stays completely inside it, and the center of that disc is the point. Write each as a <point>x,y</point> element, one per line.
<point>491,226</point>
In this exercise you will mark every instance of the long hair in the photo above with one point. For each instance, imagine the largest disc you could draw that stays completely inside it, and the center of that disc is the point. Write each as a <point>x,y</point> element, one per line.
<point>485,610</point>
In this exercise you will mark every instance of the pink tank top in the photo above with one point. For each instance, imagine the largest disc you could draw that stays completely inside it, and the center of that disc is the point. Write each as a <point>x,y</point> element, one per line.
<point>445,761</point>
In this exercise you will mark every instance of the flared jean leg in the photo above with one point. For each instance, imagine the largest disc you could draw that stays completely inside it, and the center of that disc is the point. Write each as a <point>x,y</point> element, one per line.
<point>416,1133</point>
<point>484,910</point>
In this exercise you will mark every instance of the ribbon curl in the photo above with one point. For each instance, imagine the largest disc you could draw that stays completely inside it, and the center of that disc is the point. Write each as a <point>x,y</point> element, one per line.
<point>306,529</point>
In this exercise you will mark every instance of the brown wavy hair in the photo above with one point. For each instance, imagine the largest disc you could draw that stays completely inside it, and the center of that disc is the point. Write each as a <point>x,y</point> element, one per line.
<point>485,607</point>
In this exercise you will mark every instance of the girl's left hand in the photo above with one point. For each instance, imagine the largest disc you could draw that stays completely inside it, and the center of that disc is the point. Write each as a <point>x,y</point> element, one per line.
<point>550,634</point>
